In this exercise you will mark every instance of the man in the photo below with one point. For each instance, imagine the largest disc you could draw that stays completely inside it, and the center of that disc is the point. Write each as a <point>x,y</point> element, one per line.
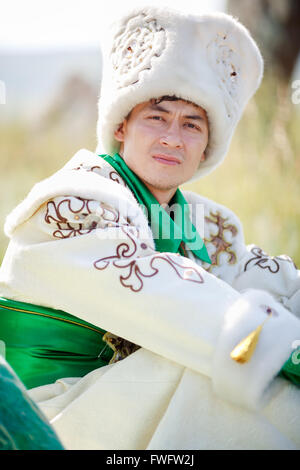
<point>110,246</point>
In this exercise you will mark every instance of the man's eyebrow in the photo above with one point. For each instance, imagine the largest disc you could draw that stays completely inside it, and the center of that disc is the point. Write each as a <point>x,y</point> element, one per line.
<point>194,116</point>
<point>157,107</point>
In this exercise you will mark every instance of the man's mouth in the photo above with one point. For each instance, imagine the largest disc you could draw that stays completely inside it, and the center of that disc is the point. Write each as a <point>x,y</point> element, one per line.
<point>167,159</point>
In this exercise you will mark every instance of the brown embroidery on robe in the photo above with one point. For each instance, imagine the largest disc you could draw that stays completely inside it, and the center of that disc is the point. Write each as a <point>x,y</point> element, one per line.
<point>88,219</point>
<point>107,208</point>
<point>114,176</point>
<point>134,273</point>
<point>95,168</point>
<point>287,259</point>
<point>264,261</point>
<point>121,347</point>
<point>218,239</point>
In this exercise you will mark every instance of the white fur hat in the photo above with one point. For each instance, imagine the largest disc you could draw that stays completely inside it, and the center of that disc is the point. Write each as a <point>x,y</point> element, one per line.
<point>208,59</point>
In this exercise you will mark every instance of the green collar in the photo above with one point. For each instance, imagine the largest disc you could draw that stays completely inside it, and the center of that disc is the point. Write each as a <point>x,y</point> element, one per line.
<point>167,233</point>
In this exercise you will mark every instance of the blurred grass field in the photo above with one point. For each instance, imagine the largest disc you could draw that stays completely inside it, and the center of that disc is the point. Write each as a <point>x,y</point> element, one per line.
<point>259,180</point>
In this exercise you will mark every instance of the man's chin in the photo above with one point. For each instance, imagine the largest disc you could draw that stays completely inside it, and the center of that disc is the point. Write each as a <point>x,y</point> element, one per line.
<point>163,184</point>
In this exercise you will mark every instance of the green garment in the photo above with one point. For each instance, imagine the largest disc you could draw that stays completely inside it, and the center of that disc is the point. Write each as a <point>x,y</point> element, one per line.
<point>291,369</point>
<point>169,235</point>
<point>43,344</point>
<point>22,425</point>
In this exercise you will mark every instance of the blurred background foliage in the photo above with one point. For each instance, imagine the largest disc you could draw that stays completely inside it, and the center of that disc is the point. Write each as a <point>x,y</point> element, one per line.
<point>260,178</point>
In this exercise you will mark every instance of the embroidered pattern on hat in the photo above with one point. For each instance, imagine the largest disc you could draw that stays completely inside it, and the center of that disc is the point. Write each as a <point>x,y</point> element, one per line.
<point>138,42</point>
<point>224,61</point>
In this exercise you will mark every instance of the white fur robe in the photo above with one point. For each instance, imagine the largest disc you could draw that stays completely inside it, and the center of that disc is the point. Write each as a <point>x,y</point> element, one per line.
<point>81,243</point>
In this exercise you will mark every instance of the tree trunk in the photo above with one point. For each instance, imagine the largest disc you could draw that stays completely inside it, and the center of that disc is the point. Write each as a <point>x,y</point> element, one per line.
<point>275,25</point>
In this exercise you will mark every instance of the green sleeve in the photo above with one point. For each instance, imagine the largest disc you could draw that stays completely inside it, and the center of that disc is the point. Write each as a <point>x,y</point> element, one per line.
<point>22,424</point>
<point>291,368</point>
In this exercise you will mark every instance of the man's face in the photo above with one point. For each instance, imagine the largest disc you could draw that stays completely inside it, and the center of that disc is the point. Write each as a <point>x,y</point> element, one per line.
<point>164,143</point>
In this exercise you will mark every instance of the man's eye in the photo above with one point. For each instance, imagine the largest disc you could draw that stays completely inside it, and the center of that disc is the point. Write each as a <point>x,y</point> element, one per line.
<point>157,118</point>
<point>192,126</point>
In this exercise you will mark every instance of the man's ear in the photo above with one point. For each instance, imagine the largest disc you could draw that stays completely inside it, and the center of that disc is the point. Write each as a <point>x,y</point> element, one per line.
<point>203,157</point>
<point>120,132</point>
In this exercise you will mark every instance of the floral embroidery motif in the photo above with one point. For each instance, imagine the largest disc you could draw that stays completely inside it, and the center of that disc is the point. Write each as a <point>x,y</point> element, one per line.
<point>264,261</point>
<point>114,176</point>
<point>96,168</point>
<point>121,347</point>
<point>133,277</point>
<point>225,62</point>
<point>218,239</point>
<point>139,41</point>
<point>85,217</point>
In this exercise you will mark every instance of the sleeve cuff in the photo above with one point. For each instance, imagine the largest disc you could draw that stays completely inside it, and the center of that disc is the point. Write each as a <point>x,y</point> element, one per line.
<point>247,384</point>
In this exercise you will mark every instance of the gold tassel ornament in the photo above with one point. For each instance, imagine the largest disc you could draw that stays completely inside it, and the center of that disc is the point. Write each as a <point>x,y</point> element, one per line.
<point>244,350</point>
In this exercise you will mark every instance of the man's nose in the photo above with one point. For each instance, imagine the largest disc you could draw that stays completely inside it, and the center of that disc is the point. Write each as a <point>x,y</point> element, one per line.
<point>172,136</point>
